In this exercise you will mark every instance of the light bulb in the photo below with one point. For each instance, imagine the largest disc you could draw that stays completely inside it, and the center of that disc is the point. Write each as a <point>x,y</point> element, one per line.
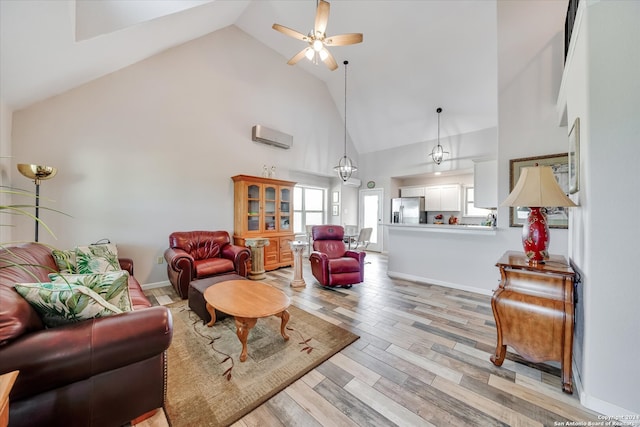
<point>323,54</point>
<point>317,45</point>
<point>438,154</point>
<point>309,54</point>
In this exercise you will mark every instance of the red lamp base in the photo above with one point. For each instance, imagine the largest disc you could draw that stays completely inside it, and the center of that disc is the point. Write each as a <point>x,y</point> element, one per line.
<point>535,236</point>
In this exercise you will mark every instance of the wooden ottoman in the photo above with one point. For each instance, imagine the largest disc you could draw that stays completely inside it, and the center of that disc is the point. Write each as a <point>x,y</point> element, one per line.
<point>196,294</point>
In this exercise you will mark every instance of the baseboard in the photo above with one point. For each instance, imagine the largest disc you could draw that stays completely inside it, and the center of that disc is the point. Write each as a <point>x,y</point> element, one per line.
<point>609,410</point>
<point>577,380</point>
<point>155,285</point>
<point>396,275</point>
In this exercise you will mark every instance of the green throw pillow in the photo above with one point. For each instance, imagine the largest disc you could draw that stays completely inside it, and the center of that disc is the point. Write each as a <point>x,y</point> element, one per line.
<point>61,303</point>
<point>113,287</point>
<point>97,259</point>
<point>65,260</point>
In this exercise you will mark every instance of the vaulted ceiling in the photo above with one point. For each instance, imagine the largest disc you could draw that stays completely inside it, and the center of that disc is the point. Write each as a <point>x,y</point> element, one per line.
<point>417,55</point>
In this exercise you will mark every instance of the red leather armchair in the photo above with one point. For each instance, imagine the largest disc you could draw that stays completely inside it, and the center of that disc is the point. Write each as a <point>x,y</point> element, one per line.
<point>198,254</point>
<point>331,264</point>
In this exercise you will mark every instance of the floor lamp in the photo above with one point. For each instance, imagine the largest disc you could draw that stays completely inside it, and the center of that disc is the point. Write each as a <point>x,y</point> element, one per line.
<point>37,173</point>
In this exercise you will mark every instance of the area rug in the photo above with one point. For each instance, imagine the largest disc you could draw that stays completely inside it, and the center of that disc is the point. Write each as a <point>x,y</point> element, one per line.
<point>208,385</point>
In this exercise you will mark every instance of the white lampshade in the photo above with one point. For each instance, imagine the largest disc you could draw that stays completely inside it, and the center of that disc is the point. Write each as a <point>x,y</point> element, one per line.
<point>310,53</point>
<point>537,187</point>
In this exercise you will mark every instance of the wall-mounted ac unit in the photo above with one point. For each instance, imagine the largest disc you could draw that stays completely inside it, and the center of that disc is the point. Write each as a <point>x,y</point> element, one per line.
<point>265,135</point>
<point>353,182</point>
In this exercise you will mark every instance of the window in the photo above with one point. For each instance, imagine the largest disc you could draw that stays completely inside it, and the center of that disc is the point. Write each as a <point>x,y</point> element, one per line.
<point>469,208</point>
<point>308,207</point>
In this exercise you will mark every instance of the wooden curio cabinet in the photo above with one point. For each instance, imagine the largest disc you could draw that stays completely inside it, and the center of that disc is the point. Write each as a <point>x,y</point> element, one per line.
<point>263,207</point>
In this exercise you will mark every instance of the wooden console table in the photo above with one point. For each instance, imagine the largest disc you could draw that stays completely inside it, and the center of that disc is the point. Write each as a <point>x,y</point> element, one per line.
<point>534,311</point>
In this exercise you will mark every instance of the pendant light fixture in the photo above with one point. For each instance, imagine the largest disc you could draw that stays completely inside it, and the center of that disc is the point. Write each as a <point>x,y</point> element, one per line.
<point>345,167</point>
<point>437,154</point>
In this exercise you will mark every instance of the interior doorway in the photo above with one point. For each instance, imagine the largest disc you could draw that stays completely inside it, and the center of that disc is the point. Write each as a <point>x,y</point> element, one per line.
<point>370,215</point>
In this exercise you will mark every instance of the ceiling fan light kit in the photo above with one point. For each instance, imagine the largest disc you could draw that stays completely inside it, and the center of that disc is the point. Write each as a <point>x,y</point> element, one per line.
<point>317,39</point>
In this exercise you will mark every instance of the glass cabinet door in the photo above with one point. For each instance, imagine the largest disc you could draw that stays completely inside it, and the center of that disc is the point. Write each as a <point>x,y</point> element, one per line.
<point>270,201</point>
<point>285,209</point>
<point>253,208</point>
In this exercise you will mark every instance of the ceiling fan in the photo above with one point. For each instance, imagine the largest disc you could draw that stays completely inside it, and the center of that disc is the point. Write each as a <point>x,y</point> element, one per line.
<point>318,40</point>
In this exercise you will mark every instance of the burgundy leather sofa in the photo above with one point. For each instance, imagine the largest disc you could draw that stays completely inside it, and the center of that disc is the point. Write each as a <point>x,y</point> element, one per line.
<point>331,264</point>
<point>199,254</point>
<point>99,372</point>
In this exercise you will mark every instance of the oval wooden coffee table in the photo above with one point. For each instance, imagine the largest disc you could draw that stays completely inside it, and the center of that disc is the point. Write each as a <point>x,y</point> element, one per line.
<point>247,301</point>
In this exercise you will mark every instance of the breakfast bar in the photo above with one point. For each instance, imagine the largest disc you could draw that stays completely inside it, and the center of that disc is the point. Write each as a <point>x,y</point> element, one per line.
<point>456,256</point>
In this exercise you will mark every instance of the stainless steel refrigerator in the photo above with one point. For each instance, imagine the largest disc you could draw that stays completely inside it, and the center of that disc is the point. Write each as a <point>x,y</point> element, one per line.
<point>408,210</point>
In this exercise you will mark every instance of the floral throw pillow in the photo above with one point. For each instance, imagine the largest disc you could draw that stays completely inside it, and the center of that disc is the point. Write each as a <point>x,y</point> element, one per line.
<point>62,303</point>
<point>113,287</point>
<point>65,260</point>
<point>97,259</point>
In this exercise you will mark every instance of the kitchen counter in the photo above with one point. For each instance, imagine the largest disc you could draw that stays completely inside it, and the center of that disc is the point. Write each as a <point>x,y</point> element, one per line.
<point>445,228</point>
<point>456,256</point>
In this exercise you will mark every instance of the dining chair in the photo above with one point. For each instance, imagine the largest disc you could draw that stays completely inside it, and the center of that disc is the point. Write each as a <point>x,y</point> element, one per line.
<point>364,238</point>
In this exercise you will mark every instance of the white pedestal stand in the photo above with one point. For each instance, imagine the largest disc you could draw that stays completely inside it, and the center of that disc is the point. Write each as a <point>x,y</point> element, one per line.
<point>257,244</point>
<point>298,247</point>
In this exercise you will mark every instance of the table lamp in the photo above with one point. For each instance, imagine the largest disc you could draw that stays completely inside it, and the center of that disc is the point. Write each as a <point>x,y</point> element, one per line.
<point>536,188</point>
<point>37,173</point>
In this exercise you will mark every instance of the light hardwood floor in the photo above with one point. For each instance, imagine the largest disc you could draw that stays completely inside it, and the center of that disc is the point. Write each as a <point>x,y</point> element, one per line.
<point>422,359</point>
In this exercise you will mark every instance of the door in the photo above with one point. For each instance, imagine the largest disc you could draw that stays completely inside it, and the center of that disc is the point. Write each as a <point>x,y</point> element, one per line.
<point>254,220</point>
<point>410,210</point>
<point>370,215</point>
<point>269,207</point>
<point>432,199</point>
<point>284,209</point>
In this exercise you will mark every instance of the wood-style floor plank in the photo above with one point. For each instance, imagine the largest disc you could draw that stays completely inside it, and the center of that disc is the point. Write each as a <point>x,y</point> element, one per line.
<point>388,408</point>
<point>422,359</point>
<point>484,404</point>
<point>568,412</point>
<point>324,412</point>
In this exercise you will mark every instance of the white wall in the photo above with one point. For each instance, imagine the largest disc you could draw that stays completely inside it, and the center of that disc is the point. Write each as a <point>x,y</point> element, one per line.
<point>529,73</point>
<point>528,87</point>
<point>5,169</point>
<point>150,149</point>
<point>349,204</point>
<point>385,167</point>
<point>602,89</point>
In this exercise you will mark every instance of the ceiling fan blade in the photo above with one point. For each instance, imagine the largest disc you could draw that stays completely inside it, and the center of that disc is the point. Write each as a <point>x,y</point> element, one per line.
<point>322,17</point>
<point>330,62</point>
<point>298,56</point>
<point>343,39</point>
<point>289,32</point>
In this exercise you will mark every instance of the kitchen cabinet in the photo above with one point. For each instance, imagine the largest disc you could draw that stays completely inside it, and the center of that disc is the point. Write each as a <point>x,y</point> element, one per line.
<point>485,184</point>
<point>442,198</point>
<point>263,207</point>
<point>534,311</point>
<point>412,191</point>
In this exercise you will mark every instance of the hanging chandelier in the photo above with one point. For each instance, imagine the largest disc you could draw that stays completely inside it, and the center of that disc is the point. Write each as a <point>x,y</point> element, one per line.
<point>345,166</point>
<point>437,154</point>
